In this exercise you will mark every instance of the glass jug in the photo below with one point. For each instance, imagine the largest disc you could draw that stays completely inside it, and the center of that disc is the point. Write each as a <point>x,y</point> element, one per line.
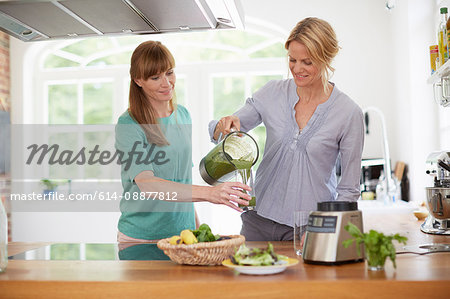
<point>237,152</point>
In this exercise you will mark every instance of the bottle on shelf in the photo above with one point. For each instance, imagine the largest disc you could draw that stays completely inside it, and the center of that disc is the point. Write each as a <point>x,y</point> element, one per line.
<point>443,37</point>
<point>448,36</point>
<point>380,190</point>
<point>434,58</point>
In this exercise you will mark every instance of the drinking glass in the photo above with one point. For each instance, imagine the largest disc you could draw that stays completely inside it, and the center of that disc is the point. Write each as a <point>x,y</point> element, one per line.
<point>245,176</point>
<point>300,224</point>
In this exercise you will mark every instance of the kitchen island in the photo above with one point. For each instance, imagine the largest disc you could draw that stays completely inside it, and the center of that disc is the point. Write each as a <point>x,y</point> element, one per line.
<point>416,276</point>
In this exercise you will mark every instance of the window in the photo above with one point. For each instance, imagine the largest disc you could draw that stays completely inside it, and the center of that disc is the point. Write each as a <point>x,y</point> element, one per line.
<point>230,92</point>
<point>86,81</point>
<point>83,102</point>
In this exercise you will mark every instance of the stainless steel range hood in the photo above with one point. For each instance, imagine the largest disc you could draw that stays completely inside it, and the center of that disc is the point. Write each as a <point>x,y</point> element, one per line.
<point>45,20</point>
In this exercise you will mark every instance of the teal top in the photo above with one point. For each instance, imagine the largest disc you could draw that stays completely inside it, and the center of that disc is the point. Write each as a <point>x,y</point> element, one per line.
<point>144,215</point>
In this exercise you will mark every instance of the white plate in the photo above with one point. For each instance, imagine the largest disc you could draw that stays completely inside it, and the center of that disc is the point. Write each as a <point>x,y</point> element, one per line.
<point>260,270</point>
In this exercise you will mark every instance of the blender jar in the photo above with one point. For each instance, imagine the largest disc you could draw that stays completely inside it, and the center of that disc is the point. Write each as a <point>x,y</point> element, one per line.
<point>238,151</point>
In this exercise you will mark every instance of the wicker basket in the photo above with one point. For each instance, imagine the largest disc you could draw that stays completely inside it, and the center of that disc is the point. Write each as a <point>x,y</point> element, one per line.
<point>203,253</point>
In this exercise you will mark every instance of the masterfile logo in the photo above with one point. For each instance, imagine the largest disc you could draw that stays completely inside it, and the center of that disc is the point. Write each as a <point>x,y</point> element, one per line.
<point>92,169</point>
<point>95,156</point>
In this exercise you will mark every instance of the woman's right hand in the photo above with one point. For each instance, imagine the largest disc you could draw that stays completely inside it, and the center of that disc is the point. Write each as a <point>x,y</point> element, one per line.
<point>225,125</point>
<point>229,193</point>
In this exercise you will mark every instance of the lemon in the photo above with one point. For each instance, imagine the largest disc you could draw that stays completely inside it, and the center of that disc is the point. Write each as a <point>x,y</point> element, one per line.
<point>175,240</point>
<point>188,237</point>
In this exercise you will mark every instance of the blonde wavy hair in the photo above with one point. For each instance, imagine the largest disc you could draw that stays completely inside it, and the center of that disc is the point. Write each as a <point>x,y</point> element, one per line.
<point>320,40</point>
<point>149,58</point>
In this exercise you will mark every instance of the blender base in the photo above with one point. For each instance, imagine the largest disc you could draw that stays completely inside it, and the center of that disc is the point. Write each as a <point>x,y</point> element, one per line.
<point>435,226</point>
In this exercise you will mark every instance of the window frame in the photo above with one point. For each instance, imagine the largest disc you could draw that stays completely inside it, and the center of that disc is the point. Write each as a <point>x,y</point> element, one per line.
<point>199,98</point>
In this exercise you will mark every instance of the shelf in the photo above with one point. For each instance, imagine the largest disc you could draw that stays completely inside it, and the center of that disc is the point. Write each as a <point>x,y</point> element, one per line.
<point>441,72</point>
<point>371,162</point>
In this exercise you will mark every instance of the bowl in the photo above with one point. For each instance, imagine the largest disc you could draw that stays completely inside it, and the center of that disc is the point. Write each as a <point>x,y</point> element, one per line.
<point>203,253</point>
<point>421,215</point>
<point>438,202</point>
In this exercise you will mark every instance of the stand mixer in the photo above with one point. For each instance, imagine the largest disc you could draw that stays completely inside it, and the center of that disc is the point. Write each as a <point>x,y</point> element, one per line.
<point>438,197</point>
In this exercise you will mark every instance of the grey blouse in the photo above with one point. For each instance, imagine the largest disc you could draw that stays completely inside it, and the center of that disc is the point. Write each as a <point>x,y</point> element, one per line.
<point>298,169</point>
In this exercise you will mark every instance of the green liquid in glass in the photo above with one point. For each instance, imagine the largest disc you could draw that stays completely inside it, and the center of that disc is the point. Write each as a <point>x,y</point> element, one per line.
<point>245,173</point>
<point>218,166</point>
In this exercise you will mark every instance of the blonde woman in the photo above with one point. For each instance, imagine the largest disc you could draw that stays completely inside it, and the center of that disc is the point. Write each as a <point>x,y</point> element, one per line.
<point>154,137</point>
<point>309,124</point>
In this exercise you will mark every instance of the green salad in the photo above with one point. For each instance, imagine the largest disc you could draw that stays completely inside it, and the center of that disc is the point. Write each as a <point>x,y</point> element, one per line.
<point>257,257</point>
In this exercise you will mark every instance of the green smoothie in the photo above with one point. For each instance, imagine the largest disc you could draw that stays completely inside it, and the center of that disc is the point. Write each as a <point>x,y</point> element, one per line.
<point>242,164</point>
<point>234,157</point>
<point>244,170</point>
<point>252,202</point>
<point>217,167</point>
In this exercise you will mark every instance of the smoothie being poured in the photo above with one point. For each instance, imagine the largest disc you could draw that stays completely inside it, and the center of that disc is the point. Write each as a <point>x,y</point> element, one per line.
<point>244,171</point>
<point>232,158</point>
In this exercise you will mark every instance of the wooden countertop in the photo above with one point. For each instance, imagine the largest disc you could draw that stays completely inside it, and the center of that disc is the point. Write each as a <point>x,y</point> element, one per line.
<point>424,276</point>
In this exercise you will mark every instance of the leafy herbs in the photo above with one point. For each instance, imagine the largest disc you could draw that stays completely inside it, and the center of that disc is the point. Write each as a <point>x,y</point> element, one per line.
<point>204,234</point>
<point>378,246</point>
<point>257,257</point>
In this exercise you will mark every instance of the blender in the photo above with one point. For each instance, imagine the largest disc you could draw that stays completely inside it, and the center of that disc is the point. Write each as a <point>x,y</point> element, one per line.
<point>326,232</point>
<point>232,158</point>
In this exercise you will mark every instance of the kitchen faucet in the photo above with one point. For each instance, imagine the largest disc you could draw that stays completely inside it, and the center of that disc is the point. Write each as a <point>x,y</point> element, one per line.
<point>389,182</point>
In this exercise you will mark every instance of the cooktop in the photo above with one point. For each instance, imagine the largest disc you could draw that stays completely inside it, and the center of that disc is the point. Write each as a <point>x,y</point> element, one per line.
<point>94,252</point>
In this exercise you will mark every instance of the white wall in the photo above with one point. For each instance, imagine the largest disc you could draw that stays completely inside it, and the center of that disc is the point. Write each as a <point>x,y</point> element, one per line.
<point>364,65</point>
<point>383,62</point>
<point>413,31</point>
